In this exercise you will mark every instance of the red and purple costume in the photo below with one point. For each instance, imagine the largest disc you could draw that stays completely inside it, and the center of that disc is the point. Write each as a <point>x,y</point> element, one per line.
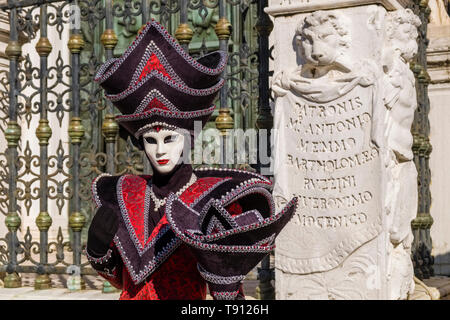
<point>214,231</point>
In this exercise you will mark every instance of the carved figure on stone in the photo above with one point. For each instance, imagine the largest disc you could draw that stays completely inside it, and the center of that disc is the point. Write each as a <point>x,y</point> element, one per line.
<point>400,102</point>
<point>326,71</point>
<point>400,97</point>
<point>323,107</point>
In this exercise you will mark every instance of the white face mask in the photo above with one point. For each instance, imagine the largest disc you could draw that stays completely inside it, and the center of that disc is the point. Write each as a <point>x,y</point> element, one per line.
<point>163,148</point>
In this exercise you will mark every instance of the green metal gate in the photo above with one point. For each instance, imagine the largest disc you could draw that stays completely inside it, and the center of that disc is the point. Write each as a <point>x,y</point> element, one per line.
<point>60,131</point>
<point>57,132</point>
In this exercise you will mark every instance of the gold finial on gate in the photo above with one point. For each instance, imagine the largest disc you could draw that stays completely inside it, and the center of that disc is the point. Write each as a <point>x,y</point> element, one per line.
<point>13,50</point>
<point>110,128</point>
<point>43,221</point>
<point>12,134</point>
<point>76,43</point>
<point>223,29</point>
<point>43,47</point>
<point>224,121</point>
<point>109,39</point>
<point>76,130</point>
<point>43,132</point>
<point>76,221</point>
<point>184,33</point>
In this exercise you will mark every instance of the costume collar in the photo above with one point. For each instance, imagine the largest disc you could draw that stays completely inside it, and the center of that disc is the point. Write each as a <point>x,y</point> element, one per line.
<point>164,184</point>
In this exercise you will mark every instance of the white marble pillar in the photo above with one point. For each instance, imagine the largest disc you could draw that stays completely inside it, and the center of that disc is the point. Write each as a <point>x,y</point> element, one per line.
<point>345,102</point>
<point>438,56</point>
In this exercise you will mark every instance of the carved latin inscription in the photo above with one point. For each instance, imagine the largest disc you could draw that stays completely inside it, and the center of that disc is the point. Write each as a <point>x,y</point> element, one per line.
<point>325,153</point>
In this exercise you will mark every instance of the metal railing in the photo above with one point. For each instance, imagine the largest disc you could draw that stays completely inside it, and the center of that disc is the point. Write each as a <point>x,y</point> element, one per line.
<point>50,100</point>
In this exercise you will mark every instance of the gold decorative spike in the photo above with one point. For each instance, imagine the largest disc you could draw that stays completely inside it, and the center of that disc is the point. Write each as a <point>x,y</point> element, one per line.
<point>12,221</point>
<point>12,134</point>
<point>76,43</point>
<point>76,130</point>
<point>77,221</point>
<point>110,128</point>
<point>43,132</point>
<point>43,221</point>
<point>184,33</point>
<point>12,280</point>
<point>223,29</point>
<point>224,121</point>
<point>42,282</point>
<point>13,50</point>
<point>109,39</point>
<point>43,47</point>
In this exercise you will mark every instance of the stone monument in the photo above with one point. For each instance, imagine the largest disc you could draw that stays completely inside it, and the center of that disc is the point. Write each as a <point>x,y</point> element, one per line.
<point>344,105</point>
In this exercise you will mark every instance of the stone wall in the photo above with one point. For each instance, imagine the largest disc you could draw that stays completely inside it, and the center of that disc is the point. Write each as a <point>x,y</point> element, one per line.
<point>439,92</point>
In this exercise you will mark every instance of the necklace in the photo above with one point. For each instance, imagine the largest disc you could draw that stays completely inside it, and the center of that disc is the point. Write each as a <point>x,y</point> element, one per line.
<point>160,202</point>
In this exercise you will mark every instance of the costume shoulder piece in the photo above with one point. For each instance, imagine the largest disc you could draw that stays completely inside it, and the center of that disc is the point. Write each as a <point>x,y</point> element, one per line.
<point>230,229</point>
<point>142,250</point>
<point>103,189</point>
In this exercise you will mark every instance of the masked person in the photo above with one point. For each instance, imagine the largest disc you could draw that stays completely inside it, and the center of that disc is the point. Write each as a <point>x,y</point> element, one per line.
<point>168,235</point>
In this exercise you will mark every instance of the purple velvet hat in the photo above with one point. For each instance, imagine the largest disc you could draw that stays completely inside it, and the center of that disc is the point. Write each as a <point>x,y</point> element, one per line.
<point>155,82</point>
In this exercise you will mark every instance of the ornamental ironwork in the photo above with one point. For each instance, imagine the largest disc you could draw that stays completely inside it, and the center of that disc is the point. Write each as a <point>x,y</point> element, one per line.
<point>58,130</point>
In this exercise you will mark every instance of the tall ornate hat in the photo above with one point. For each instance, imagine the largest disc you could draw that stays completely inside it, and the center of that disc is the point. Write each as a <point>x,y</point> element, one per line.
<point>155,82</point>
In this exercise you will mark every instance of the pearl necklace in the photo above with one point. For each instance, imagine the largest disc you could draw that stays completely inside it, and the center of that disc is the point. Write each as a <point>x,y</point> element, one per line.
<point>160,202</point>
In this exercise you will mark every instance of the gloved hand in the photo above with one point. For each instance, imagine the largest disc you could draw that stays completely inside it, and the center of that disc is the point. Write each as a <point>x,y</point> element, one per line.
<point>102,230</point>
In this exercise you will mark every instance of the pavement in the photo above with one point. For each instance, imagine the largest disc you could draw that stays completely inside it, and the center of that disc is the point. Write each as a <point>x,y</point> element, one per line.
<point>29,293</point>
<point>92,291</point>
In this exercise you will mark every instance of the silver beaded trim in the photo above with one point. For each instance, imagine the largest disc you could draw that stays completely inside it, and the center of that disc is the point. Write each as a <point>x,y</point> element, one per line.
<point>95,196</point>
<point>256,175</point>
<point>214,278</point>
<point>100,77</point>
<point>138,277</point>
<point>103,68</point>
<point>155,93</point>
<point>165,113</point>
<point>199,241</point>
<point>153,48</point>
<point>125,216</point>
<point>266,241</point>
<point>154,73</point>
<point>215,223</point>
<point>160,202</point>
<point>100,260</point>
<point>108,273</point>
<point>225,295</point>
<point>150,126</point>
<point>204,194</point>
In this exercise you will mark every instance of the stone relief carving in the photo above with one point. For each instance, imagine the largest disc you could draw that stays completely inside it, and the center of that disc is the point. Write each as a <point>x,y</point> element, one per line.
<point>327,71</point>
<point>343,147</point>
<point>400,102</point>
<point>329,96</point>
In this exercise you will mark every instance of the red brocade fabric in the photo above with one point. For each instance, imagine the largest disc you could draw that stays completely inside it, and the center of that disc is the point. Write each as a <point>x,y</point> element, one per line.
<point>133,190</point>
<point>234,208</point>
<point>153,63</point>
<point>177,277</point>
